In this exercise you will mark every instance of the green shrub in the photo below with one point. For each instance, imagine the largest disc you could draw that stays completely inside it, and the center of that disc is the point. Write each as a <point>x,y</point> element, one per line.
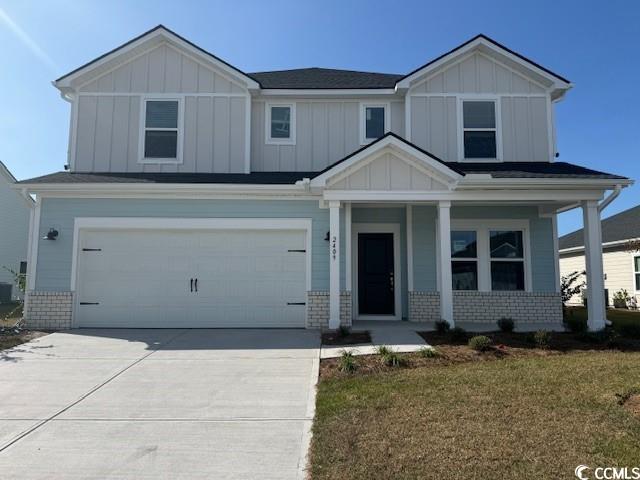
<point>480,343</point>
<point>575,324</point>
<point>506,324</point>
<point>393,359</point>
<point>347,362</point>
<point>458,334</point>
<point>621,298</point>
<point>442,326</point>
<point>542,338</point>
<point>428,352</point>
<point>606,336</point>
<point>628,328</point>
<point>344,331</point>
<point>383,350</point>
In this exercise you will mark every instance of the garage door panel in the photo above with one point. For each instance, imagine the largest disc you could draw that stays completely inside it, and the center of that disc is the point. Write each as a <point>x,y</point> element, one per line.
<point>142,278</point>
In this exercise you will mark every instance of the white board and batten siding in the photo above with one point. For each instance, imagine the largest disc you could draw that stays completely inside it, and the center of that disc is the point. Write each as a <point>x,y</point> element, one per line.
<point>388,172</point>
<point>191,278</point>
<point>524,115</point>
<point>326,131</point>
<point>108,125</point>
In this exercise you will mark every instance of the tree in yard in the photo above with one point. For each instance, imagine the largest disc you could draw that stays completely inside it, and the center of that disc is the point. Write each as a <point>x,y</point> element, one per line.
<point>569,285</point>
<point>21,282</point>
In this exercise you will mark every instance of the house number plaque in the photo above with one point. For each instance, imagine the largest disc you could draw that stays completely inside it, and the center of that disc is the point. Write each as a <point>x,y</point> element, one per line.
<point>334,249</point>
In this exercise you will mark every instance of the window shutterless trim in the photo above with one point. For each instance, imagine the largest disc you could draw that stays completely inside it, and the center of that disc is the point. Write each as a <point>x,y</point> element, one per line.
<point>363,120</point>
<point>292,124</point>
<point>461,128</point>
<point>483,227</point>
<point>143,129</point>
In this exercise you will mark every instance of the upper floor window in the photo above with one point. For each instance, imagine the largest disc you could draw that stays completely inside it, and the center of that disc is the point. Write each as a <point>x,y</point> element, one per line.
<point>281,123</point>
<point>479,129</point>
<point>161,132</point>
<point>374,122</point>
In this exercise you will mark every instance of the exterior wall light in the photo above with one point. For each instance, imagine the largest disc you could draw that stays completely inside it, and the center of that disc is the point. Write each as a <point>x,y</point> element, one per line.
<point>52,234</point>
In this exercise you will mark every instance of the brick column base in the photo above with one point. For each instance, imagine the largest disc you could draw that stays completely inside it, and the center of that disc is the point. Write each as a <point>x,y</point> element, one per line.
<point>48,310</point>
<point>318,309</point>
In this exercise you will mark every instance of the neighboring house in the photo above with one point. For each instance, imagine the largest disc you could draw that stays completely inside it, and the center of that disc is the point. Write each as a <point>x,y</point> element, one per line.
<point>620,253</point>
<point>202,196</point>
<point>14,235</point>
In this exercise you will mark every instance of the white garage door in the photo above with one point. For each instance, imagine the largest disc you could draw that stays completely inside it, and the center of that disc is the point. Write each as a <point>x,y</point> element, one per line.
<point>173,279</point>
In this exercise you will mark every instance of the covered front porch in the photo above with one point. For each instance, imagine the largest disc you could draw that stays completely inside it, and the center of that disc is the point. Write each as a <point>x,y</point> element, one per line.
<point>411,238</point>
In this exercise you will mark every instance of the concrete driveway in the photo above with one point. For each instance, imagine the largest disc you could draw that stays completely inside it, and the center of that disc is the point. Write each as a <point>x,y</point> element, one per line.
<point>136,404</point>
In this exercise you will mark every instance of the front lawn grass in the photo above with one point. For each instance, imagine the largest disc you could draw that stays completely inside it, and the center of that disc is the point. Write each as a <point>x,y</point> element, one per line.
<point>523,417</point>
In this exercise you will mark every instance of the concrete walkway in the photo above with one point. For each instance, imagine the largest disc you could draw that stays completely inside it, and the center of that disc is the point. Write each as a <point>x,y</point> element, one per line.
<point>149,404</point>
<point>400,336</point>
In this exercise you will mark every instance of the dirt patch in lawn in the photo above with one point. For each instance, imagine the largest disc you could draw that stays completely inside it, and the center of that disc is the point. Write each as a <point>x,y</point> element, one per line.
<point>504,346</point>
<point>352,338</point>
<point>632,405</point>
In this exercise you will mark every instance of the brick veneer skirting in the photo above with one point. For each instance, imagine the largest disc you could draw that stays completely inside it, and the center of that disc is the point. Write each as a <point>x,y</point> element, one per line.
<point>486,308</point>
<point>318,309</point>
<point>424,306</point>
<point>48,310</point>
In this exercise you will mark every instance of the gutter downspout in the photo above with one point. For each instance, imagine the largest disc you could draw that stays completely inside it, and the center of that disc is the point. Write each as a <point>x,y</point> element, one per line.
<point>612,196</point>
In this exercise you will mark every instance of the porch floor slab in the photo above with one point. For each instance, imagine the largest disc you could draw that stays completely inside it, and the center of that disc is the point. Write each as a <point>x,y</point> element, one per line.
<point>398,335</point>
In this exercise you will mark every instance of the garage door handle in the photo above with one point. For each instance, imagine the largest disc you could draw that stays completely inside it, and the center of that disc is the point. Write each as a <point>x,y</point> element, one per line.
<point>196,284</point>
<point>296,303</point>
<point>192,284</point>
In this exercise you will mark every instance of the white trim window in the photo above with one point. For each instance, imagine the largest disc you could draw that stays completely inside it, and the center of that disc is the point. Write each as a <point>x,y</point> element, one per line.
<point>161,132</point>
<point>636,273</point>
<point>491,257</point>
<point>374,121</point>
<point>480,132</point>
<point>506,253</point>
<point>464,259</point>
<point>280,123</point>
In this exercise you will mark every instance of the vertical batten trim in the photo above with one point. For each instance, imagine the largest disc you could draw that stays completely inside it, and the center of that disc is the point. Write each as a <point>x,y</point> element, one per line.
<point>409,212</point>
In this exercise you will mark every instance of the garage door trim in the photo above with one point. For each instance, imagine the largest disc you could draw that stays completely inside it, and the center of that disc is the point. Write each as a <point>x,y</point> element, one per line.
<point>171,224</point>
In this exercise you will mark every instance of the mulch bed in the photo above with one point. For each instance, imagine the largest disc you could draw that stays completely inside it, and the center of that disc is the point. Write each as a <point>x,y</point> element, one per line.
<point>505,345</point>
<point>353,338</point>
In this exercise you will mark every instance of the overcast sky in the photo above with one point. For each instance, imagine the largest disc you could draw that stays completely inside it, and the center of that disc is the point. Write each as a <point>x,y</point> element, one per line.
<point>594,44</point>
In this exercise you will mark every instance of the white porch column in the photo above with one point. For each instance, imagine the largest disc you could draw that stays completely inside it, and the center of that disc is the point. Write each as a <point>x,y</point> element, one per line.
<point>444,265</point>
<point>334,264</point>
<point>593,262</point>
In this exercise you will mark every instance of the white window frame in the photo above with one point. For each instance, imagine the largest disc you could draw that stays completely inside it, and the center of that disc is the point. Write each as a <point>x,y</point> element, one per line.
<point>363,119</point>
<point>635,273</point>
<point>292,126</point>
<point>475,259</point>
<point>462,129</point>
<point>483,229</point>
<point>143,128</point>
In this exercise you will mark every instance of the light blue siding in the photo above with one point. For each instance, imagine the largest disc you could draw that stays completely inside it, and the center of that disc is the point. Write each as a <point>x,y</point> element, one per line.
<point>424,242</point>
<point>54,257</point>
<point>389,215</point>
<point>424,249</point>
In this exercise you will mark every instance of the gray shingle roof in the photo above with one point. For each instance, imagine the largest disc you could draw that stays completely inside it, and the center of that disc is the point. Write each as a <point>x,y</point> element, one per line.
<point>559,170</point>
<point>324,78</point>
<point>621,226</point>
<point>534,170</point>
<point>254,178</point>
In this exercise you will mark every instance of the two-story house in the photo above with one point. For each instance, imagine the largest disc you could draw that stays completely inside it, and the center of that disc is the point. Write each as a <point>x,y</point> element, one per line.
<point>199,195</point>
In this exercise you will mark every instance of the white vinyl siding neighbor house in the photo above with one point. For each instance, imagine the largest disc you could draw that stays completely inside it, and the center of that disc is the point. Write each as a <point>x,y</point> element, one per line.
<point>199,195</point>
<point>15,211</point>
<point>620,255</point>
